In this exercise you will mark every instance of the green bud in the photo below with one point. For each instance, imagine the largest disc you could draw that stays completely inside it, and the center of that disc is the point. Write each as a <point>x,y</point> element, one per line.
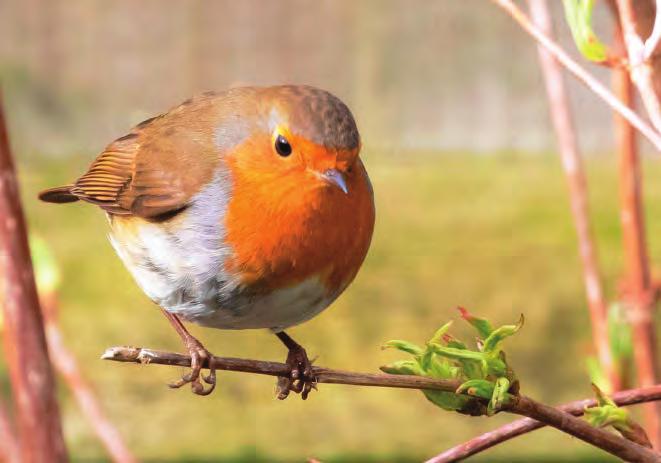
<point>497,335</point>
<point>438,335</point>
<point>403,346</point>
<point>482,325</point>
<point>578,14</point>
<point>500,395</point>
<point>478,388</point>
<point>403,367</point>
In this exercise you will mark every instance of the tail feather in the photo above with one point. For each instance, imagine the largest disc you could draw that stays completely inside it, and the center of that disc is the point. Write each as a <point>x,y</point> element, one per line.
<point>60,194</point>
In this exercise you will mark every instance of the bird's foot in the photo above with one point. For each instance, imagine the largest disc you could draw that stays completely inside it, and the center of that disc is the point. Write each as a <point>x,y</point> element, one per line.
<point>301,377</point>
<point>199,356</point>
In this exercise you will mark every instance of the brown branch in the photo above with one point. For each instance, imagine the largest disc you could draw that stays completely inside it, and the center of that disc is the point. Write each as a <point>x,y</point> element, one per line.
<point>640,69</point>
<point>639,294</point>
<point>66,365</point>
<point>519,427</point>
<point>9,451</point>
<point>652,42</point>
<point>580,73</point>
<point>33,384</point>
<point>578,196</point>
<point>261,367</point>
<point>520,405</point>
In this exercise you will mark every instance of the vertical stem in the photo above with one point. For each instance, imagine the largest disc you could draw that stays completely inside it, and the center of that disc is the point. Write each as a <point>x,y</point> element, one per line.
<point>9,452</point>
<point>573,168</point>
<point>33,385</point>
<point>641,71</point>
<point>639,293</point>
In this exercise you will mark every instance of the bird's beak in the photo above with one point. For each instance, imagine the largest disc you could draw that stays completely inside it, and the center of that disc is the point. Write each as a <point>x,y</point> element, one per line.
<point>336,178</point>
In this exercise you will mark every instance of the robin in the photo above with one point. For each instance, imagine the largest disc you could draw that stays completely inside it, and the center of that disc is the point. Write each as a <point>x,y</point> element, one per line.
<point>243,209</point>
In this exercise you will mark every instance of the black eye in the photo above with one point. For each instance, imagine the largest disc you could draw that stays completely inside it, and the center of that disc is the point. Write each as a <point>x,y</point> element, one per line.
<point>282,146</point>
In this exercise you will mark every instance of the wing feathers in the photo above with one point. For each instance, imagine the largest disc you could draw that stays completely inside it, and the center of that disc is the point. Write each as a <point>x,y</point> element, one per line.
<point>156,168</point>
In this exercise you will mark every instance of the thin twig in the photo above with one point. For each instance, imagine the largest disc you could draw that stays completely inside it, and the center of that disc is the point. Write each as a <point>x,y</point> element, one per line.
<point>580,73</point>
<point>578,196</point>
<point>519,427</point>
<point>521,405</point>
<point>33,385</point>
<point>261,367</point>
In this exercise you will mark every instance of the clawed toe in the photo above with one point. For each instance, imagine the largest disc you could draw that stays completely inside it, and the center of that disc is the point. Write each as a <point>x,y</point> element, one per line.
<point>199,355</point>
<point>301,379</point>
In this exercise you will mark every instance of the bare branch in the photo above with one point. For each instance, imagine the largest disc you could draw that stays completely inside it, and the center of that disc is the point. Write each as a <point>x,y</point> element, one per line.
<point>580,73</point>
<point>260,367</point>
<point>9,452</point>
<point>520,405</point>
<point>652,42</point>
<point>640,70</point>
<point>639,293</point>
<point>33,384</point>
<point>519,427</point>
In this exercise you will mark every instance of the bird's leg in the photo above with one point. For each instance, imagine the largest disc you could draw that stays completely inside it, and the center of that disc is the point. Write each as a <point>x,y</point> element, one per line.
<point>301,378</point>
<point>198,354</point>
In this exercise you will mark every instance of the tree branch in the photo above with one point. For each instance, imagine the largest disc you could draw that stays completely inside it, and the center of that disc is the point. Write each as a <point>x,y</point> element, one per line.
<point>641,70</point>
<point>33,385</point>
<point>9,452</point>
<point>580,73</point>
<point>639,293</point>
<point>519,427</point>
<point>520,405</point>
<point>652,42</point>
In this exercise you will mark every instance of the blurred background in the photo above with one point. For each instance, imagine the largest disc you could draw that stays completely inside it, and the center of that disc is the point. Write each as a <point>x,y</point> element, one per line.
<point>472,210</point>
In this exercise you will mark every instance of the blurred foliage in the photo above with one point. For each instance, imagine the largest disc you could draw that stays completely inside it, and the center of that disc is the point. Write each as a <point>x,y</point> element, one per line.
<point>579,17</point>
<point>492,233</point>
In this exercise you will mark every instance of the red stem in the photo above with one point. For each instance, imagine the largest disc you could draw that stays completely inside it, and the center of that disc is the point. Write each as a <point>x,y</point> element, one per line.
<point>9,452</point>
<point>33,385</point>
<point>639,295</point>
<point>519,427</point>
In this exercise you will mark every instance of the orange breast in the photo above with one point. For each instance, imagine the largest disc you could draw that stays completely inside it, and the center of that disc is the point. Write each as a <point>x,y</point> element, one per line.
<point>286,228</point>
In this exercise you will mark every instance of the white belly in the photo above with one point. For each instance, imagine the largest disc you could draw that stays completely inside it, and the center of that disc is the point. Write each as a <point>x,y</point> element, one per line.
<point>185,275</point>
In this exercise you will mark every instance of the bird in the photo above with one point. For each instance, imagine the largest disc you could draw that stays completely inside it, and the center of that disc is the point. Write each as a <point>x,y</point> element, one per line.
<point>248,208</point>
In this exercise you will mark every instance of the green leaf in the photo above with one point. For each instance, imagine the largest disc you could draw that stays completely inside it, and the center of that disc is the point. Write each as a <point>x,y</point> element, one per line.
<point>451,341</point>
<point>447,400</point>
<point>458,354</point>
<point>482,325</point>
<point>47,273</point>
<point>478,388</point>
<point>404,346</point>
<point>497,335</point>
<point>579,17</point>
<point>619,333</point>
<point>596,373</point>
<point>440,333</point>
<point>500,395</point>
<point>441,368</point>
<point>494,366</point>
<point>403,367</point>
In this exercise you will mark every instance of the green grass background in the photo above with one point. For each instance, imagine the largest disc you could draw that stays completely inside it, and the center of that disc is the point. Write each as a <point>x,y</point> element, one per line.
<point>491,233</point>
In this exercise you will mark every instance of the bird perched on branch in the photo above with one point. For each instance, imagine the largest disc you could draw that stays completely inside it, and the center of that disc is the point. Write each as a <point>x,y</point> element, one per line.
<point>248,208</point>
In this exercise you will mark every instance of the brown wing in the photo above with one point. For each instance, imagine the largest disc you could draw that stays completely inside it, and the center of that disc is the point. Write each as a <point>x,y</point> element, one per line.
<point>156,168</point>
